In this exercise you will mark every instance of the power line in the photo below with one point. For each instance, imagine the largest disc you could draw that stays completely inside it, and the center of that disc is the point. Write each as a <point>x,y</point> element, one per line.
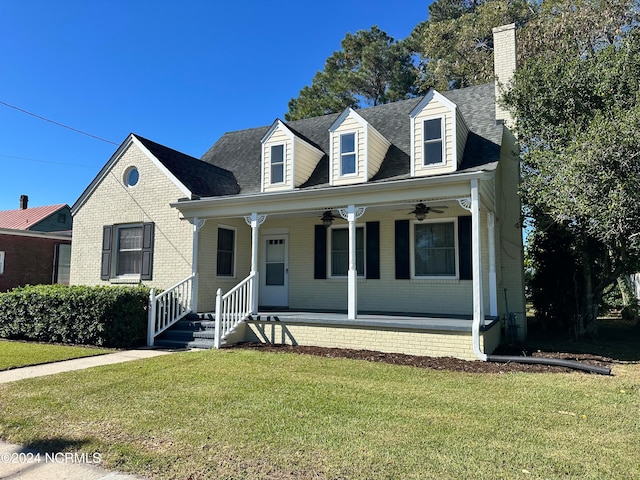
<point>46,161</point>
<point>57,123</point>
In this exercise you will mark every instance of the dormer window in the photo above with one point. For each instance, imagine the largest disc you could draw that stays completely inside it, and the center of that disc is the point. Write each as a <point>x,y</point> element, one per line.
<point>433,151</point>
<point>348,154</point>
<point>277,164</point>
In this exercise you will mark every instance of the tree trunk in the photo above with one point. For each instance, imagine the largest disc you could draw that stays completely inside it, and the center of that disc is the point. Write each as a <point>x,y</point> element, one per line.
<point>589,315</point>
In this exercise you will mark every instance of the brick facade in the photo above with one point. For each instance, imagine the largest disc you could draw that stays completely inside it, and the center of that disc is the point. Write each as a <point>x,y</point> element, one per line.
<point>114,203</point>
<point>28,259</point>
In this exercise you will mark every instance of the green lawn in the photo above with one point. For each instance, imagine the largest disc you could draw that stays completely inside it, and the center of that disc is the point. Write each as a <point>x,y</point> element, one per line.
<point>251,414</point>
<point>22,354</point>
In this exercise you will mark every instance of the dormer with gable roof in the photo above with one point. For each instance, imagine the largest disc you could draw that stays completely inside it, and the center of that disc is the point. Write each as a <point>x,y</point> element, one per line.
<point>438,136</point>
<point>288,159</point>
<point>357,149</point>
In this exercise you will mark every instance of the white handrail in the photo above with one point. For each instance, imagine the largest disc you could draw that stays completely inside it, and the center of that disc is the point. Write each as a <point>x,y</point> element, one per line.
<point>233,307</point>
<point>168,307</point>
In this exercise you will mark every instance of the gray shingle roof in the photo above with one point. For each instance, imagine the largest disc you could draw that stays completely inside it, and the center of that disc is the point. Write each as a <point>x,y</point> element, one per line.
<point>240,151</point>
<point>201,178</point>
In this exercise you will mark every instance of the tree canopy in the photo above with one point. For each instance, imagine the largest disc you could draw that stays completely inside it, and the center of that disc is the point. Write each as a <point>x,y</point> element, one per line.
<point>577,105</point>
<point>372,68</point>
<point>455,44</point>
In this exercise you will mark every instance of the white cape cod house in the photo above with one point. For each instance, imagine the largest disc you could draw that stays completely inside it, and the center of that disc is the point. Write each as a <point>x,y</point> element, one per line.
<point>392,228</point>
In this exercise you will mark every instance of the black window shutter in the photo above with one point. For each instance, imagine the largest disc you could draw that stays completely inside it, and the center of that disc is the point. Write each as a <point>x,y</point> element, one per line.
<point>320,253</point>
<point>464,248</point>
<point>107,237</point>
<point>402,250</point>
<point>147,251</point>
<point>373,250</point>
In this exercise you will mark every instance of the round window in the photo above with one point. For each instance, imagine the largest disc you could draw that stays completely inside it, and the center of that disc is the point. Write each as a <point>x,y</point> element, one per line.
<point>131,176</point>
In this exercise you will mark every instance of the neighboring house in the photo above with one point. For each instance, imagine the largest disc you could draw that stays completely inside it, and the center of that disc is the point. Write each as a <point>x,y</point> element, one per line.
<point>35,245</point>
<point>392,228</point>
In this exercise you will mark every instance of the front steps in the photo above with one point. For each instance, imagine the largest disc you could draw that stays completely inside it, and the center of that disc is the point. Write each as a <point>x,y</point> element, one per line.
<point>193,331</point>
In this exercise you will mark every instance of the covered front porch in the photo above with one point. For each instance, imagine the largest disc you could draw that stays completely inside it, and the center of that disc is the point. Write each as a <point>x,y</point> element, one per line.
<point>292,264</point>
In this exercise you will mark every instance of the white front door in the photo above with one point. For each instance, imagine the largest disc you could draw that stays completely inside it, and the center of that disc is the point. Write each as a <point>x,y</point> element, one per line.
<point>274,275</point>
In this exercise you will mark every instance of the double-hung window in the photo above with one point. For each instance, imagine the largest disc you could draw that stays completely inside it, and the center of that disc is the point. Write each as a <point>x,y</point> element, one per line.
<point>433,152</point>
<point>226,252</point>
<point>277,164</point>
<point>129,250</point>
<point>434,249</point>
<point>348,155</point>
<point>340,251</point>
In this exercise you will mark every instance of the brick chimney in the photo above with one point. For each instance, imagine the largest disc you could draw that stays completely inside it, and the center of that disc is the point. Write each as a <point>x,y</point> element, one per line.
<point>504,66</point>
<point>24,201</point>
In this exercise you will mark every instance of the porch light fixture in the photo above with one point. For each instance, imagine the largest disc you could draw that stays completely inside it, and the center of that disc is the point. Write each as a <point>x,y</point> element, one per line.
<point>422,210</point>
<point>327,218</point>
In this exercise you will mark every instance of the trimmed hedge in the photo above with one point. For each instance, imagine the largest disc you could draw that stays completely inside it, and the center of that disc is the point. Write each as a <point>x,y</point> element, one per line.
<point>102,316</point>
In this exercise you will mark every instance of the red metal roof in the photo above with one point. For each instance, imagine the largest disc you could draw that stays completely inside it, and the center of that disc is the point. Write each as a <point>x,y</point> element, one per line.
<point>27,218</point>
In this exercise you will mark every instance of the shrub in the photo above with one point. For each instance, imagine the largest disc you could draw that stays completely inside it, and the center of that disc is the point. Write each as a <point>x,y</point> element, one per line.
<point>103,316</point>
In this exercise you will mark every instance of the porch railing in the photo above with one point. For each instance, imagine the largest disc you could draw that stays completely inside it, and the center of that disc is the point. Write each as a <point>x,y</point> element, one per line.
<point>233,307</point>
<point>168,307</point>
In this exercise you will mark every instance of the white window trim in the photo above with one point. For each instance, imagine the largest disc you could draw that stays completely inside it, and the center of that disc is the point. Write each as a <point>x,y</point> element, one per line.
<point>412,249</point>
<point>116,253</point>
<point>235,250</point>
<point>127,173</point>
<point>355,152</point>
<point>284,163</point>
<point>330,275</point>
<point>1,263</point>
<point>443,131</point>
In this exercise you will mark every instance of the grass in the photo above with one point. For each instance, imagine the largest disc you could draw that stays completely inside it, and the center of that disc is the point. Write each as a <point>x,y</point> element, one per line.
<point>251,414</point>
<point>22,354</point>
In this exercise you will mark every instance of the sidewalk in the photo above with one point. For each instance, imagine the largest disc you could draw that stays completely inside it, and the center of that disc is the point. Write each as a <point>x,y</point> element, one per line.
<point>18,463</point>
<point>78,364</point>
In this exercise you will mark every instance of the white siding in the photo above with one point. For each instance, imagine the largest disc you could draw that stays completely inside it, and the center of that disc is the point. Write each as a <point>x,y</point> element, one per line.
<point>305,161</point>
<point>278,137</point>
<point>349,125</point>
<point>434,109</point>
<point>376,150</point>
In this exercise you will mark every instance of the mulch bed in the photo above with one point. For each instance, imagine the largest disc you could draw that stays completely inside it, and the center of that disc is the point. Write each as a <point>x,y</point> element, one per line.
<point>441,363</point>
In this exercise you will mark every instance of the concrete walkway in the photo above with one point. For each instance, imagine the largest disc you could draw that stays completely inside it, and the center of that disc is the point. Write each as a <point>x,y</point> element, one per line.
<point>78,364</point>
<point>16,462</point>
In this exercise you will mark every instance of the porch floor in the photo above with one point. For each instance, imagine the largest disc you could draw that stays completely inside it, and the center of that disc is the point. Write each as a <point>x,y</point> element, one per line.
<point>455,323</point>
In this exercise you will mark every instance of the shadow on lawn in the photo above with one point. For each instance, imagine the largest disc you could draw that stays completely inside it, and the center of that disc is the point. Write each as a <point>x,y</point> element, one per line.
<point>57,445</point>
<point>617,340</point>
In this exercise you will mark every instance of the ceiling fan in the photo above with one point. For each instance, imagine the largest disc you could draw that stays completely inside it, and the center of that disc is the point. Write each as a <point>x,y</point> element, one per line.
<point>327,218</point>
<point>421,211</point>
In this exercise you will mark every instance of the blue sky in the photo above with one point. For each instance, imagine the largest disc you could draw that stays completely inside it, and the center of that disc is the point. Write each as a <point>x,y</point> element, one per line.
<point>179,73</point>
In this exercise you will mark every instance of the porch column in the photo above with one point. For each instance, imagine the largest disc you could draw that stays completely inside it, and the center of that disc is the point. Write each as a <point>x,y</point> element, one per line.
<point>351,214</point>
<point>198,223</point>
<point>493,289</point>
<point>478,297</point>
<point>254,221</point>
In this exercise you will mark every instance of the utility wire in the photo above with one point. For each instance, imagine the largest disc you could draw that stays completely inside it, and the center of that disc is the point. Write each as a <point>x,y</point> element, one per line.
<point>57,123</point>
<point>47,161</point>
